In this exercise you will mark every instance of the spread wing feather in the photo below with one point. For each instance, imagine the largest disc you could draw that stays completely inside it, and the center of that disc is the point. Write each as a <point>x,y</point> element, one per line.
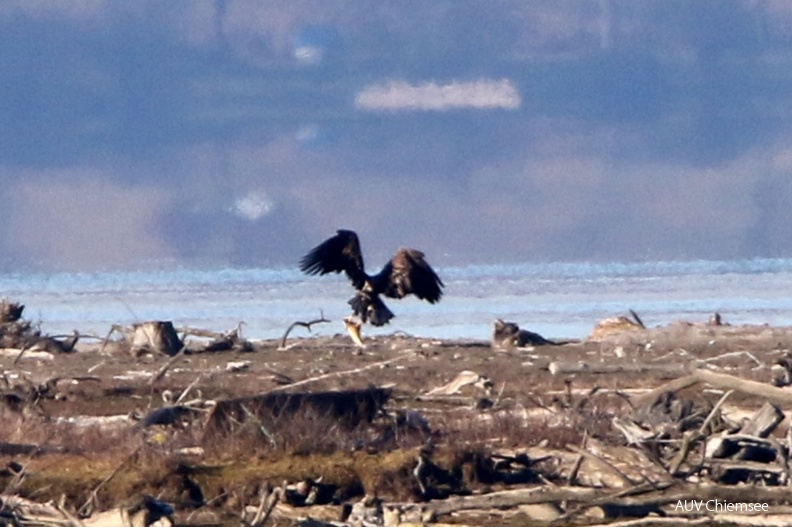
<point>409,273</point>
<point>341,253</point>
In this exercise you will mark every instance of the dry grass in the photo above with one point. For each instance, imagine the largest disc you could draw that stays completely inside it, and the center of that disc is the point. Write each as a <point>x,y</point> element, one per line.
<point>532,408</point>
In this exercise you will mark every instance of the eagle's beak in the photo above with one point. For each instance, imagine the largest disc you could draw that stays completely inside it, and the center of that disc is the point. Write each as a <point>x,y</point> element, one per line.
<point>353,328</point>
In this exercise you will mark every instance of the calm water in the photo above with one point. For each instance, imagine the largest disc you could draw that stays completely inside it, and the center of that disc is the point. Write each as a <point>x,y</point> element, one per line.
<point>556,300</point>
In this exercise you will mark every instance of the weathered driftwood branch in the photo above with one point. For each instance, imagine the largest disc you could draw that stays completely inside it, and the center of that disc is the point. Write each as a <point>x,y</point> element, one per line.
<point>451,400</point>
<point>25,353</point>
<point>764,421</point>
<point>667,494</point>
<point>308,325</point>
<point>225,341</point>
<point>88,507</point>
<point>719,380</point>
<point>462,379</point>
<point>647,399</point>
<point>268,501</point>
<point>24,511</point>
<point>714,411</point>
<point>187,390</point>
<point>513,498</point>
<point>732,355</point>
<point>602,461</point>
<point>655,521</point>
<point>587,496</point>
<point>692,437</point>
<point>559,368</point>
<point>734,493</point>
<point>729,382</point>
<point>205,333</point>
<point>338,373</point>
<point>161,373</point>
<point>689,440</point>
<point>643,495</point>
<point>573,472</point>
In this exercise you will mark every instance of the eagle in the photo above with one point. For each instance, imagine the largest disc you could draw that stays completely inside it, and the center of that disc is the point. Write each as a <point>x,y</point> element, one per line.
<point>405,274</point>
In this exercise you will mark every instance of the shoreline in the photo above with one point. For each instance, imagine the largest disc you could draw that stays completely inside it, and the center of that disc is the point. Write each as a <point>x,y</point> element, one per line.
<point>463,405</point>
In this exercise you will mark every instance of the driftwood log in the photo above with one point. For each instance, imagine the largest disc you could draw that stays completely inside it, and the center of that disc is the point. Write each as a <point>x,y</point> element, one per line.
<point>616,325</point>
<point>719,380</point>
<point>763,422</point>
<point>53,344</point>
<point>563,368</point>
<point>154,337</point>
<point>228,341</point>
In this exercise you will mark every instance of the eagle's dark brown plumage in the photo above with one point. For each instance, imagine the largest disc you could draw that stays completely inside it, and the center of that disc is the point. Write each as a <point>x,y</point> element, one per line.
<point>407,273</point>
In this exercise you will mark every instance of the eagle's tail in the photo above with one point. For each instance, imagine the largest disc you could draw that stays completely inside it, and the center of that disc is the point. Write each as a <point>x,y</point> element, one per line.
<point>370,308</point>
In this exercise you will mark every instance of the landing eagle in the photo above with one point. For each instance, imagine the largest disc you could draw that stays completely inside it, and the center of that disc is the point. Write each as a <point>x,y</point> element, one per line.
<point>407,273</point>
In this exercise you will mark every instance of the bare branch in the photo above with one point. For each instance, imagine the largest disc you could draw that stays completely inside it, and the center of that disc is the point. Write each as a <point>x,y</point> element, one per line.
<point>308,325</point>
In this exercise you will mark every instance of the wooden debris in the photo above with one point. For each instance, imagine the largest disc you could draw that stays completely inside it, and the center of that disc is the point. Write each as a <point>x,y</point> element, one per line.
<point>162,371</point>
<point>306,325</point>
<point>18,334</point>
<point>54,345</point>
<point>464,378</point>
<point>228,341</point>
<point>763,422</point>
<point>616,325</point>
<point>720,380</point>
<point>626,460</point>
<point>565,368</point>
<point>285,380</point>
<point>154,337</point>
<point>238,366</point>
<point>24,353</point>
<point>118,517</point>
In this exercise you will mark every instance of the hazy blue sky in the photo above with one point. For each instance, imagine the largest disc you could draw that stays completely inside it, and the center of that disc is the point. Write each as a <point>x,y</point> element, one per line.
<point>242,132</point>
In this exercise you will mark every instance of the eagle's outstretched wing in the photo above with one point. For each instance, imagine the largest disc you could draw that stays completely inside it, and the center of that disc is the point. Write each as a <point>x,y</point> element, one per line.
<point>337,254</point>
<point>408,273</point>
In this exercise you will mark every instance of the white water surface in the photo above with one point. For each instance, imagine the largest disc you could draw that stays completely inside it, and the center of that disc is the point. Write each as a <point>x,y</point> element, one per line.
<point>562,300</point>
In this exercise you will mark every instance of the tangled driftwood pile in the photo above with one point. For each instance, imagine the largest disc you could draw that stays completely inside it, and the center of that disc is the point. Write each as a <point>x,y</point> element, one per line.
<point>19,336</point>
<point>685,424</point>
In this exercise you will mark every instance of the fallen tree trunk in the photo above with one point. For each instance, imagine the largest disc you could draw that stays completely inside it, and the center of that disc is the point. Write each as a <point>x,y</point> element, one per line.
<point>512,498</point>
<point>763,422</point>
<point>559,368</point>
<point>641,496</point>
<point>719,380</point>
<point>154,337</point>
<point>23,353</point>
<point>729,382</point>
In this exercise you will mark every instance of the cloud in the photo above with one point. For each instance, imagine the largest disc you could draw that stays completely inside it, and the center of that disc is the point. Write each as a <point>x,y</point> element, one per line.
<point>253,206</point>
<point>79,219</point>
<point>78,10</point>
<point>638,131</point>
<point>481,94</point>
